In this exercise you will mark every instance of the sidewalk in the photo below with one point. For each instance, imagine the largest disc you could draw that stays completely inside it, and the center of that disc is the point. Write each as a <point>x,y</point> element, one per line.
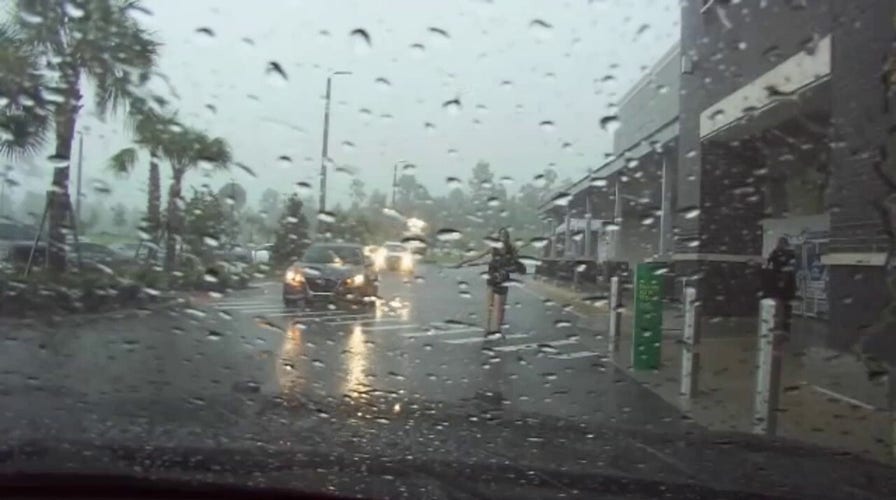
<point>826,398</point>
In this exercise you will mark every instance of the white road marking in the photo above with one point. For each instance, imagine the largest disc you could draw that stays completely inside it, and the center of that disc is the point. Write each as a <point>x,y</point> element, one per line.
<point>846,399</point>
<point>388,327</point>
<point>534,345</point>
<point>345,320</point>
<point>482,338</point>
<point>435,333</point>
<point>575,355</point>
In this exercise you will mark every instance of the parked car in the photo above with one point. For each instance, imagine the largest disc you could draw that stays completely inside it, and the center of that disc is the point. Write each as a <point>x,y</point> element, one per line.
<point>15,234</point>
<point>262,254</point>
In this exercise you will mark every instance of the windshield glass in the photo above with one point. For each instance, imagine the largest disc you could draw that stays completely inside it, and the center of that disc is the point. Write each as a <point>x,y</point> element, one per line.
<point>333,254</point>
<point>261,243</point>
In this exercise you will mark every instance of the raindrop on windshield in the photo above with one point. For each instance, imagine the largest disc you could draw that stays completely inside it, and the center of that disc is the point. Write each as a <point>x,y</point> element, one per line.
<point>360,41</point>
<point>609,123</point>
<point>214,335</point>
<point>599,182</point>
<point>540,29</point>
<point>284,161</point>
<point>452,106</point>
<point>382,83</point>
<point>325,216</point>
<point>303,188</point>
<point>72,10</point>
<point>538,242</point>
<point>561,199</point>
<point>205,33</point>
<point>275,73</point>
<point>447,234</point>
<point>691,212</point>
<point>547,126</point>
<point>418,50</point>
<point>439,36</point>
<point>101,187</point>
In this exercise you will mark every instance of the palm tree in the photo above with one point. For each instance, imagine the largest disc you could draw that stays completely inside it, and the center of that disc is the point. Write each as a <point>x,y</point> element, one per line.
<point>152,131</point>
<point>24,115</point>
<point>185,151</point>
<point>76,39</point>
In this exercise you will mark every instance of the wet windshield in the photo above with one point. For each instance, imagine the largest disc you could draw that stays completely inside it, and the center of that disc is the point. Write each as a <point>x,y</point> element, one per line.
<point>253,243</point>
<point>333,254</point>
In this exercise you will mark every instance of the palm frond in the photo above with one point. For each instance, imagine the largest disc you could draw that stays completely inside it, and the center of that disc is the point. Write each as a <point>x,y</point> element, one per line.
<point>118,55</point>
<point>123,162</point>
<point>25,117</point>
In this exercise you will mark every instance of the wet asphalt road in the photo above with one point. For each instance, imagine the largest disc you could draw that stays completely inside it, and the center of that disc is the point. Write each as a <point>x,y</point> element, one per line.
<point>421,347</point>
<point>413,381</point>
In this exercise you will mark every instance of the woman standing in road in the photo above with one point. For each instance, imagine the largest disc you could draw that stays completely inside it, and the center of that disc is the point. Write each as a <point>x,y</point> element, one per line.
<point>503,261</point>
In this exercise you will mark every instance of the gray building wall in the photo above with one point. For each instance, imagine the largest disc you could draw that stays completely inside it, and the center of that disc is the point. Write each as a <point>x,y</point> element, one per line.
<point>863,118</point>
<point>650,104</point>
<point>722,49</point>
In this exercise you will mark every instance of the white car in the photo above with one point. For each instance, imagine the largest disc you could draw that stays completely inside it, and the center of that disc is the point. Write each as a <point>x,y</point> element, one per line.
<point>262,254</point>
<point>394,256</point>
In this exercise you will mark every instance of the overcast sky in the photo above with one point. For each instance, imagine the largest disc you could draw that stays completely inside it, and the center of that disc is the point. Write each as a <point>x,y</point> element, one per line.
<point>530,77</point>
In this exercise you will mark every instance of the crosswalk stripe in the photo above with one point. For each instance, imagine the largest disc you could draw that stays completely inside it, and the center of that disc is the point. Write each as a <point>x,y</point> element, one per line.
<point>483,338</point>
<point>435,333</point>
<point>305,314</point>
<point>575,355</point>
<point>361,320</point>
<point>388,327</point>
<point>520,347</point>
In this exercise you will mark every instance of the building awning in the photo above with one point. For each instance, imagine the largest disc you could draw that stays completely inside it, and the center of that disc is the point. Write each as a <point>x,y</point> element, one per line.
<point>663,135</point>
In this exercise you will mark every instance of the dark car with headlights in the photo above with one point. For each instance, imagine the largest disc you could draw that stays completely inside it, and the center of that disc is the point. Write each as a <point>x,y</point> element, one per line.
<point>330,272</point>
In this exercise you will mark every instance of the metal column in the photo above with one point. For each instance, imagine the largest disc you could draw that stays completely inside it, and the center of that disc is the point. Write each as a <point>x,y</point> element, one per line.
<point>690,355</point>
<point>768,369</point>
<point>615,316</point>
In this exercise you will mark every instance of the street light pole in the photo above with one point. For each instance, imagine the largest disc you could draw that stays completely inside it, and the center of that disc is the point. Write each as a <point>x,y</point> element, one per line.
<point>394,182</point>
<point>325,147</point>
<point>78,180</point>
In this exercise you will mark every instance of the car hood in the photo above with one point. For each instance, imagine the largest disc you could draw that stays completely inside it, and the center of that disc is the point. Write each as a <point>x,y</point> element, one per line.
<point>331,271</point>
<point>380,445</point>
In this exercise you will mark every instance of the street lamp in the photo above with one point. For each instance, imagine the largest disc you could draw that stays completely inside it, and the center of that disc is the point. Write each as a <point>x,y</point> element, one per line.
<point>325,147</point>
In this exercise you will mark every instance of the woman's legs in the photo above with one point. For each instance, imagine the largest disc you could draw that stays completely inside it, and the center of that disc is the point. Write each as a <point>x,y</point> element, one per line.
<point>500,304</point>
<point>489,308</point>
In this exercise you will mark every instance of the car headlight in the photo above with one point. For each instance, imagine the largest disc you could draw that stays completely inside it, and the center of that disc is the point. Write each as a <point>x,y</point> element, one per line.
<point>407,262</point>
<point>356,280</point>
<point>293,276</point>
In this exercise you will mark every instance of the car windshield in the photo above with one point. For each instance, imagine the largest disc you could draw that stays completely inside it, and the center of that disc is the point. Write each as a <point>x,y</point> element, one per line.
<point>267,231</point>
<point>333,254</point>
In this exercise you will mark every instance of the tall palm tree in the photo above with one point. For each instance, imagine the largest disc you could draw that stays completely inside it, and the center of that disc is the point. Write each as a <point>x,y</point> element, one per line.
<point>152,132</point>
<point>185,151</point>
<point>77,39</point>
<point>24,116</point>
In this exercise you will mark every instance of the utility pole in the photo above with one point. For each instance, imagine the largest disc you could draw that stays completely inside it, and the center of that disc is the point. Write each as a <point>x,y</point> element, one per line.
<point>78,180</point>
<point>394,182</point>
<point>325,147</point>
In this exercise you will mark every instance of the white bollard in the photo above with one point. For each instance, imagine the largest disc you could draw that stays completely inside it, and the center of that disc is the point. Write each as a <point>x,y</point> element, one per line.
<point>690,357</point>
<point>768,369</point>
<point>615,315</point>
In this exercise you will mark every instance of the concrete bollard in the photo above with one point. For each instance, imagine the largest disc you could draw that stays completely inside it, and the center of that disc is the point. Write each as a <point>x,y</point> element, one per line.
<point>615,315</point>
<point>690,336</point>
<point>768,369</point>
